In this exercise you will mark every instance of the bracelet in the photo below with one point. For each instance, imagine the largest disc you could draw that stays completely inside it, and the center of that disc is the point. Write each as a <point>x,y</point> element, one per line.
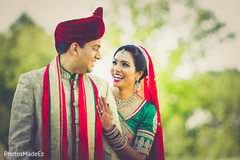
<point>109,133</point>
<point>116,139</point>
<point>121,146</point>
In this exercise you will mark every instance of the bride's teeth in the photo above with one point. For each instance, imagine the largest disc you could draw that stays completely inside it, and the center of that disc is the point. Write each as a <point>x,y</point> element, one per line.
<point>117,76</point>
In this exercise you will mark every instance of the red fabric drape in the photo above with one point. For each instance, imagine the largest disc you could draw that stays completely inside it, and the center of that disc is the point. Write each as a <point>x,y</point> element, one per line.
<point>46,141</point>
<point>150,94</point>
<point>83,135</point>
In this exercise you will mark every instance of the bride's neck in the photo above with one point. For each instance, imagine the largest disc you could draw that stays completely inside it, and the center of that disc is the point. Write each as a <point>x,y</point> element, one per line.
<point>122,94</point>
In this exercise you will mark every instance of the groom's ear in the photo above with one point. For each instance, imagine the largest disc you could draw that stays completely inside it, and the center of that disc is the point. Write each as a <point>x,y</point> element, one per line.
<point>74,49</point>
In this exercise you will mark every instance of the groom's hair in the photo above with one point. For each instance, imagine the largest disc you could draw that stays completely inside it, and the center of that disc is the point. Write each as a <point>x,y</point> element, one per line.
<point>138,58</point>
<point>63,47</point>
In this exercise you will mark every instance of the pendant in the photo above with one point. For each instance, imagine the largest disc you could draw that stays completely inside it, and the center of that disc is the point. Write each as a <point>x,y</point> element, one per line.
<point>118,103</point>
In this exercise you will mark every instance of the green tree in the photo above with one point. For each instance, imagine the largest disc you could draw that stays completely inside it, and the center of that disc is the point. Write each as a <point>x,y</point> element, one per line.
<point>218,95</point>
<point>25,47</point>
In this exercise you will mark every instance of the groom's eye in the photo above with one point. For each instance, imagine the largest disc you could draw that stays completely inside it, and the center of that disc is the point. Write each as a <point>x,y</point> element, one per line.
<point>114,62</point>
<point>95,49</point>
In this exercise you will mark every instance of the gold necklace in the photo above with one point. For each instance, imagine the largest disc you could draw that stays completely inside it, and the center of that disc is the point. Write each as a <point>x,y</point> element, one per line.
<point>121,103</point>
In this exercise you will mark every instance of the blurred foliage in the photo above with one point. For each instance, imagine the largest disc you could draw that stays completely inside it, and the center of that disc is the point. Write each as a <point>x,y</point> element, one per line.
<point>215,93</point>
<point>200,115</point>
<point>23,48</point>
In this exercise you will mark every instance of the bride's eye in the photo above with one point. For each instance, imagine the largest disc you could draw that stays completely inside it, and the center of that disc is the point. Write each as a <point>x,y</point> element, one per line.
<point>125,65</point>
<point>114,62</point>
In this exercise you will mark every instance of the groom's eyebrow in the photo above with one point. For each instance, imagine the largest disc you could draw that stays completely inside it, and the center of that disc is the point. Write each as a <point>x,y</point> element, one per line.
<point>97,45</point>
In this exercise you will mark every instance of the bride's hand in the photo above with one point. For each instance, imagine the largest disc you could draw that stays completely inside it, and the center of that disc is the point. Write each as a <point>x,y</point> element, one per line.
<point>105,115</point>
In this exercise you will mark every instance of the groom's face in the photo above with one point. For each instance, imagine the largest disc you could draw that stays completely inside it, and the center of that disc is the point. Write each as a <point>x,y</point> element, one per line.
<point>88,55</point>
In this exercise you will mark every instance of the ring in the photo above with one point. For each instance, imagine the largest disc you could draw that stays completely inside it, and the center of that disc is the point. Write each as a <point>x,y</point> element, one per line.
<point>101,111</point>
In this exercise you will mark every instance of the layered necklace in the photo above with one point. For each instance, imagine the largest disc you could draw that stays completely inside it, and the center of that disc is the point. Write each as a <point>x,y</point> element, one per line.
<point>121,103</point>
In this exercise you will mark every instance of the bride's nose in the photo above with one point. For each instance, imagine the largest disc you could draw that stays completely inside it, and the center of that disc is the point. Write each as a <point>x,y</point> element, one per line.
<point>117,67</point>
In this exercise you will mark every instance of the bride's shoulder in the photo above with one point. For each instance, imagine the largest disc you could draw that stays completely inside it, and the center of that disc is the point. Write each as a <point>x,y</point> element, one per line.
<point>149,106</point>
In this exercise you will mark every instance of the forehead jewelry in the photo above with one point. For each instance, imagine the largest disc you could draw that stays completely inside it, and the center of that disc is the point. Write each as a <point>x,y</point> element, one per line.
<point>123,50</point>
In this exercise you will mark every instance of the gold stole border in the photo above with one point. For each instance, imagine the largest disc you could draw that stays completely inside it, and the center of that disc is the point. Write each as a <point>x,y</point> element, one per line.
<point>55,110</point>
<point>91,115</point>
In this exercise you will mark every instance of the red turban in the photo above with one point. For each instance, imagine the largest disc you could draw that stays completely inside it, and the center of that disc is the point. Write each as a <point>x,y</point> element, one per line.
<point>80,30</point>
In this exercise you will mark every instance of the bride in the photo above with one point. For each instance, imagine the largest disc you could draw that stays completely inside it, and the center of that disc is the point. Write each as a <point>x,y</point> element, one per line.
<point>137,104</point>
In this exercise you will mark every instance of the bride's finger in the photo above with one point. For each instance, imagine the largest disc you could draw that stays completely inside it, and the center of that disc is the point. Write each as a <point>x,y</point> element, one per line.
<point>100,103</point>
<point>100,106</point>
<point>104,103</point>
<point>109,110</point>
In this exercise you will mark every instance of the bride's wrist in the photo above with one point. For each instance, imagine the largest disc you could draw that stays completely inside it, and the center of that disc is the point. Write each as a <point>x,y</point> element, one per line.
<point>116,139</point>
<point>109,129</point>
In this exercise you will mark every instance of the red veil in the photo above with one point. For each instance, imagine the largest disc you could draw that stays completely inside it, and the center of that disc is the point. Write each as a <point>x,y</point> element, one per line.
<point>149,92</point>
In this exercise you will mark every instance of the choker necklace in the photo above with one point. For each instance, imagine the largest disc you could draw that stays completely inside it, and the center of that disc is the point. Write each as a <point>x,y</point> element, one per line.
<point>121,103</point>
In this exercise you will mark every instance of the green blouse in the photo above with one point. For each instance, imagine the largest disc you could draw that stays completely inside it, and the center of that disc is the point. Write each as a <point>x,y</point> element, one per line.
<point>140,128</point>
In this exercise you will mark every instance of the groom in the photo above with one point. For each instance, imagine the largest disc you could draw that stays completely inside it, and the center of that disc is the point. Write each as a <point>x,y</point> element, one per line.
<point>54,108</point>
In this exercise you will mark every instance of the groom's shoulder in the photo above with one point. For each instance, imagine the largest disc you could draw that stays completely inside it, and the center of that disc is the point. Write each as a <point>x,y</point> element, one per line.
<point>34,76</point>
<point>34,73</point>
<point>98,80</point>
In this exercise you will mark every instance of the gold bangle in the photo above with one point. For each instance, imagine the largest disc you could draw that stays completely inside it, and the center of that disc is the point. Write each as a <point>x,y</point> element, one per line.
<point>109,133</point>
<point>116,139</point>
<point>121,146</point>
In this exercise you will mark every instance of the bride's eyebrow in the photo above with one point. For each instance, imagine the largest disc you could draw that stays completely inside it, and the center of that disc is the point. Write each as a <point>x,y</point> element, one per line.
<point>123,61</point>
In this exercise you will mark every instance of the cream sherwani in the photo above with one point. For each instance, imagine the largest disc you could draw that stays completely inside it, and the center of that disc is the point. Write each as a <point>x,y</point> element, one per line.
<point>25,133</point>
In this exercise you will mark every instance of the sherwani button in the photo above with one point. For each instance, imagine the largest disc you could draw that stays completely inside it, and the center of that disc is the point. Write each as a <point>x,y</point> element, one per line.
<point>76,121</point>
<point>76,140</point>
<point>75,104</point>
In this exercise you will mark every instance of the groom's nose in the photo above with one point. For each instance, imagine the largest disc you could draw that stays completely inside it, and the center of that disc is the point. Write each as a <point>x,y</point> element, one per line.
<point>98,55</point>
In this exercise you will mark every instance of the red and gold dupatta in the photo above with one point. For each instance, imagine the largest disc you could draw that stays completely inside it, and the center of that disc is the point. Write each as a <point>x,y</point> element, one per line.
<point>149,92</point>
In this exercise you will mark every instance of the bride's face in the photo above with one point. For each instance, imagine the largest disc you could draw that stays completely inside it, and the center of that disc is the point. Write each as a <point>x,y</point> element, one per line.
<point>123,70</point>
